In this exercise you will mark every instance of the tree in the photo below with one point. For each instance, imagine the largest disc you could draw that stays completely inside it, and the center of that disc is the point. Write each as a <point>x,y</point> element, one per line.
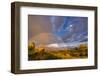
<point>31,46</point>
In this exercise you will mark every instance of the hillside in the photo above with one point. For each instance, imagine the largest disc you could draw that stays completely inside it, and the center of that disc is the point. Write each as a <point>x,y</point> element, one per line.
<point>41,53</point>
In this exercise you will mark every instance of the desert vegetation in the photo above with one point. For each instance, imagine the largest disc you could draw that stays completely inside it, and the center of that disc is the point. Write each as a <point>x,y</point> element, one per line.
<point>41,53</point>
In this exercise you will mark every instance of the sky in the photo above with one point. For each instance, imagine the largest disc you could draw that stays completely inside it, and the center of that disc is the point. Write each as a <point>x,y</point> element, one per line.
<point>66,28</point>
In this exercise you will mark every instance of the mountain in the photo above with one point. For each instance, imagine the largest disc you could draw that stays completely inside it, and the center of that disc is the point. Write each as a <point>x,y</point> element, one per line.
<point>75,44</point>
<point>62,46</point>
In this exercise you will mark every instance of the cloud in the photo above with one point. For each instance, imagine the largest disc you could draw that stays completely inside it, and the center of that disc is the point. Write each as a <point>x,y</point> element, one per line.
<point>67,28</point>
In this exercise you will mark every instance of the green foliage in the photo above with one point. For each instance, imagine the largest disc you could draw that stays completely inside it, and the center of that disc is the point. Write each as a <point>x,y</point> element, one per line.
<point>31,48</point>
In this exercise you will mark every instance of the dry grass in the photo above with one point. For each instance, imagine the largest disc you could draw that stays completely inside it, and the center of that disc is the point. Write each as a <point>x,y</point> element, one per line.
<point>42,54</point>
